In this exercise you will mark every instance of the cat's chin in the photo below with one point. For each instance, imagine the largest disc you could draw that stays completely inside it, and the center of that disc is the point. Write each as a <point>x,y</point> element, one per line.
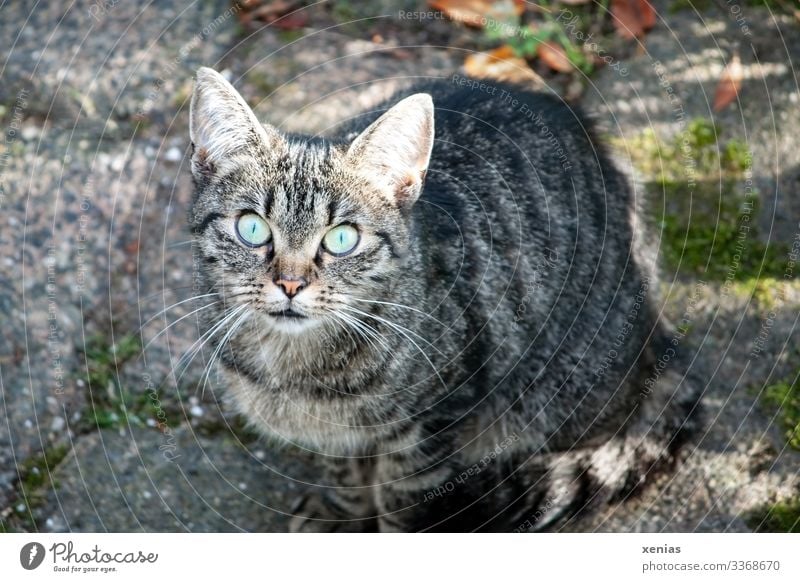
<point>292,325</point>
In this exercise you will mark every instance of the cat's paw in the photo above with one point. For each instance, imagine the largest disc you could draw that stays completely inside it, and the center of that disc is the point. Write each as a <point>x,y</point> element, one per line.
<point>315,514</point>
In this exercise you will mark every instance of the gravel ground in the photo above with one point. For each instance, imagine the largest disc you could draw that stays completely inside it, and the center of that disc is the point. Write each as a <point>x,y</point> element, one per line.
<point>93,247</point>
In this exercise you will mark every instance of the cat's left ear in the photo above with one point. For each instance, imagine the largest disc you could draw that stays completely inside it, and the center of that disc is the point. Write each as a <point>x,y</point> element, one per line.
<point>222,125</point>
<point>395,149</point>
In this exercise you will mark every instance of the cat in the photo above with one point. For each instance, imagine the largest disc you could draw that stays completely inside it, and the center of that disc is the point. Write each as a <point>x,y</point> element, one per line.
<point>449,302</point>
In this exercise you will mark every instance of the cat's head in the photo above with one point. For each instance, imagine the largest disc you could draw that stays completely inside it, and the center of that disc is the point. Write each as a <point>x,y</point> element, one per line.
<point>302,230</point>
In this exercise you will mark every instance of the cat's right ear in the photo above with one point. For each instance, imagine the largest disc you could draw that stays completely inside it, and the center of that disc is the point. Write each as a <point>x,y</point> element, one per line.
<point>221,124</point>
<point>396,149</point>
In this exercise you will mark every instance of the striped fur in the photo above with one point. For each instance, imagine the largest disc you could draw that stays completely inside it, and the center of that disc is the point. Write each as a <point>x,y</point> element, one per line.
<point>479,362</point>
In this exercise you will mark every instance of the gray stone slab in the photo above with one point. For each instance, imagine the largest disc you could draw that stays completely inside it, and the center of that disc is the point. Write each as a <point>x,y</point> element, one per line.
<point>146,480</point>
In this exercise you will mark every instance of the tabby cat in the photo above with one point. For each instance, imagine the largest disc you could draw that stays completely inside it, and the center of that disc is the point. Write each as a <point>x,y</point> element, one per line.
<point>449,301</point>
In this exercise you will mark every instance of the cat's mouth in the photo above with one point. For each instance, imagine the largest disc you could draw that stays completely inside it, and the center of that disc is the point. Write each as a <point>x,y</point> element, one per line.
<point>290,321</point>
<point>288,313</point>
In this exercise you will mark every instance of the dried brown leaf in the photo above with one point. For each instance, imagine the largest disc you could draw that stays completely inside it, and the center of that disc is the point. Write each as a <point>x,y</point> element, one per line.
<point>501,64</point>
<point>627,18</point>
<point>553,56</point>
<point>292,21</point>
<point>132,247</point>
<point>730,82</point>
<point>478,12</point>
<point>283,13</point>
<point>647,14</point>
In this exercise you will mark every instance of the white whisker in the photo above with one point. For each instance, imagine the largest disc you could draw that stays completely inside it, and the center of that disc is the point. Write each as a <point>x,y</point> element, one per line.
<point>207,371</point>
<point>401,329</point>
<point>369,333</point>
<point>175,305</point>
<point>197,346</point>
<point>395,326</point>
<point>178,321</point>
<point>414,309</point>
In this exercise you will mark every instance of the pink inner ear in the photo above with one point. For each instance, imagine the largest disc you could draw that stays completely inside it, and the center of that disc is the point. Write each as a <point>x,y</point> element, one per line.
<point>410,180</point>
<point>406,189</point>
<point>203,164</point>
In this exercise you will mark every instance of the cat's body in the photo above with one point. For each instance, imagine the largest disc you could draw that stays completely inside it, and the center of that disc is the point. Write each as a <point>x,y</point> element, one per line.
<point>493,340</point>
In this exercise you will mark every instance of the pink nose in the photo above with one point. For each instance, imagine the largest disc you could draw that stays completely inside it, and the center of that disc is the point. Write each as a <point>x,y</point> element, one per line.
<point>291,285</point>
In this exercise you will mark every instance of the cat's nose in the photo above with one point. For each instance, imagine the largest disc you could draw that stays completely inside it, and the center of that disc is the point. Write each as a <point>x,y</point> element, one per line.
<point>291,284</point>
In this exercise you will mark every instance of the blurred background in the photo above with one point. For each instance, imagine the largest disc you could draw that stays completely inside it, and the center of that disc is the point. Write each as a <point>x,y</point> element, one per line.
<point>103,424</point>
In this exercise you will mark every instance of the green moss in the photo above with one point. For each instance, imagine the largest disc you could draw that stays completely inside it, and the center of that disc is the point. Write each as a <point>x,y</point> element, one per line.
<point>721,242</point>
<point>695,154</point>
<point>111,404</point>
<point>701,5</point>
<point>15,149</point>
<point>781,517</point>
<point>344,11</point>
<point>701,133</point>
<point>261,82</point>
<point>118,409</point>
<point>524,44</point>
<point>181,97</point>
<point>736,156</point>
<point>104,358</point>
<point>289,36</point>
<point>141,123</point>
<point>678,5</point>
<point>35,480</point>
<point>236,430</point>
<point>35,472</point>
<point>708,220</point>
<point>767,293</point>
<point>788,6</point>
<point>784,397</point>
<point>354,18</point>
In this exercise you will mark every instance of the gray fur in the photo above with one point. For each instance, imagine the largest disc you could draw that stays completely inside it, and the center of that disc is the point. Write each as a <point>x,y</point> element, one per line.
<point>514,376</point>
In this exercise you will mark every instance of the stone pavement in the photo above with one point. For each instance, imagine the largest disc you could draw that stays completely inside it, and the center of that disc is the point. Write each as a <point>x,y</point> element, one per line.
<point>98,434</point>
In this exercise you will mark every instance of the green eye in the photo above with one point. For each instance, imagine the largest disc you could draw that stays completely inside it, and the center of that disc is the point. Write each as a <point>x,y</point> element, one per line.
<point>253,230</point>
<point>340,240</point>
